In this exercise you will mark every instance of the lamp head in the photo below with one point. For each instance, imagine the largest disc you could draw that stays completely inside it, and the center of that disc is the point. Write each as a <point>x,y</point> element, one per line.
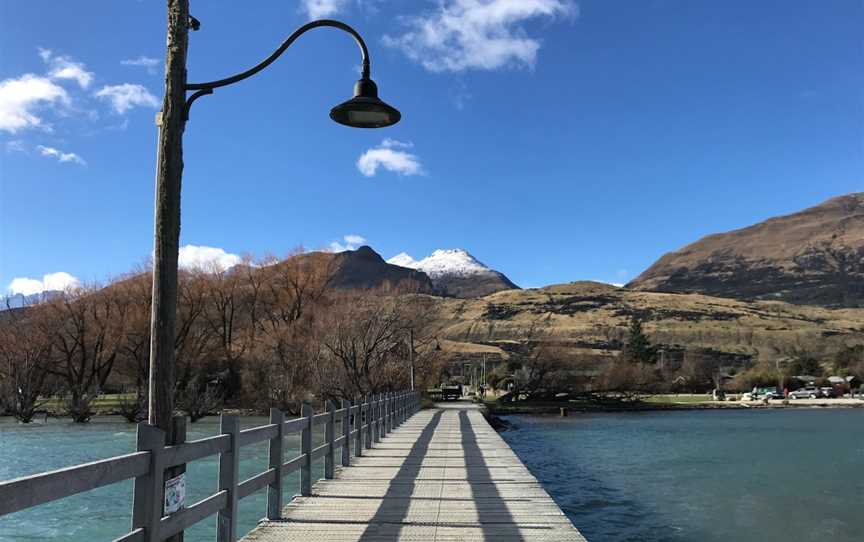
<point>365,109</point>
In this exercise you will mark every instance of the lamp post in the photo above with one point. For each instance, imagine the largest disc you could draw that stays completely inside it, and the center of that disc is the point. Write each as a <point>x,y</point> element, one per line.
<point>364,110</point>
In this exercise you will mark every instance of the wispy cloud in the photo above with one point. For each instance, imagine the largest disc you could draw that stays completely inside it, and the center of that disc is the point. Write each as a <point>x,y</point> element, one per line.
<point>15,145</point>
<point>316,9</point>
<point>125,96</point>
<point>146,62</point>
<point>60,155</point>
<point>206,258</point>
<point>351,242</point>
<point>389,156</point>
<point>63,67</point>
<point>477,34</point>
<point>22,97</point>
<point>50,282</point>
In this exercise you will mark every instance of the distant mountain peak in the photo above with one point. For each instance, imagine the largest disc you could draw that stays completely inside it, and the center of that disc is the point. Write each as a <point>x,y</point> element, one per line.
<point>403,260</point>
<point>456,272</point>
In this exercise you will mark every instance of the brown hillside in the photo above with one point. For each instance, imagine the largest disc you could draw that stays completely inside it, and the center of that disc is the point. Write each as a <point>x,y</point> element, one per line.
<point>591,319</point>
<point>815,256</point>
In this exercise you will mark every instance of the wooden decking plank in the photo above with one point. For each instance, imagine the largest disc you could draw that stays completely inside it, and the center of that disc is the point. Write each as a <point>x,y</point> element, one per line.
<point>445,475</point>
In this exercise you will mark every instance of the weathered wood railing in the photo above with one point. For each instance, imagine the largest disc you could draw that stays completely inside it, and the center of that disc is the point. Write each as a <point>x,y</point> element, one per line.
<point>372,419</point>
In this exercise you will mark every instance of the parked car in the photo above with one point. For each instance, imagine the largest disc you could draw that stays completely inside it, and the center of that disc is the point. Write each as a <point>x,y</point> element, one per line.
<point>810,392</point>
<point>451,393</point>
<point>828,392</point>
<point>758,394</point>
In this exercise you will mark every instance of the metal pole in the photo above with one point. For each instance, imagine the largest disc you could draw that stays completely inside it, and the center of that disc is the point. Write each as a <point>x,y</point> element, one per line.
<point>169,170</point>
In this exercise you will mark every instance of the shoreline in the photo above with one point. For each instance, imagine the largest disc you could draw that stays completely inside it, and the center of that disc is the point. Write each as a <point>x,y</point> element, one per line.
<point>644,406</point>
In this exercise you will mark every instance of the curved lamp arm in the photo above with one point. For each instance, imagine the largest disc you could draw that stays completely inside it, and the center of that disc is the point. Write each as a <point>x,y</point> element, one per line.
<point>203,89</point>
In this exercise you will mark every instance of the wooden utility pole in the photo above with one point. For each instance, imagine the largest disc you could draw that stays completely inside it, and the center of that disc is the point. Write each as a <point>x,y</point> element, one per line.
<point>169,170</point>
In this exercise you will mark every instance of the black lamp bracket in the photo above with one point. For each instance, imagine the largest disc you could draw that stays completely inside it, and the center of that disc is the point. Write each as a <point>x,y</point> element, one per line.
<point>203,89</point>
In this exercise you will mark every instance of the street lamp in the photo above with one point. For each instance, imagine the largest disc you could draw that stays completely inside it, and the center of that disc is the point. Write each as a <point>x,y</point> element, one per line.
<point>364,110</point>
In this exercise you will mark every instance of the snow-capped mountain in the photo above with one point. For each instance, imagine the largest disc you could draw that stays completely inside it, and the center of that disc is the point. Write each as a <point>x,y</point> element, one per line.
<point>457,273</point>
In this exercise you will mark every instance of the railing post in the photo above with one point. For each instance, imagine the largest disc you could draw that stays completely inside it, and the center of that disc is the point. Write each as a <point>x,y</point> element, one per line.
<point>397,409</point>
<point>329,456</point>
<point>358,426</point>
<point>390,412</point>
<point>382,415</point>
<point>346,433</point>
<point>147,492</point>
<point>388,424</point>
<point>399,397</point>
<point>376,415</point>
<point>368,437</point>
<point>179,430</point>
<point>229,465</point>
<point>274,490</point>
<point>306,450</point>
<point>385,414</point>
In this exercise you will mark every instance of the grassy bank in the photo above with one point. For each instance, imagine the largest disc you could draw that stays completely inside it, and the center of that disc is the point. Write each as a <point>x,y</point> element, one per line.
<point>108,403</point>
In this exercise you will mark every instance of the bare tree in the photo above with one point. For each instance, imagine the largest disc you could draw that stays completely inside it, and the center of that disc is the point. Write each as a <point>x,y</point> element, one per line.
<point>24,359</point>
<point>134,349</point>
<point>85,326</point>
<point>364,334</point>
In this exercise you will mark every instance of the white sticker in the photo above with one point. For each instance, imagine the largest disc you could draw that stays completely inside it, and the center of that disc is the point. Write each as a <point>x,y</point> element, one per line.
<point>175,494</point>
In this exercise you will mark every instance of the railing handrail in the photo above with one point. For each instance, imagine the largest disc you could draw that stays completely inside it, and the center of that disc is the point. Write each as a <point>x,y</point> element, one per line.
<point>374,417</point>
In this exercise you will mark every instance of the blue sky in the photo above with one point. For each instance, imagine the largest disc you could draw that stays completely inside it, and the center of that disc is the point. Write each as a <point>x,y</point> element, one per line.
<point>554,140</point>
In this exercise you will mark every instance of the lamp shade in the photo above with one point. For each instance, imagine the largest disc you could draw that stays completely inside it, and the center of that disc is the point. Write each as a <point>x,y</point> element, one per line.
<point>365,109</point>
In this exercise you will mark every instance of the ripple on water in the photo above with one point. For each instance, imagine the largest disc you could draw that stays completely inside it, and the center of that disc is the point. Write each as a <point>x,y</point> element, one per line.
<point>701,476</point>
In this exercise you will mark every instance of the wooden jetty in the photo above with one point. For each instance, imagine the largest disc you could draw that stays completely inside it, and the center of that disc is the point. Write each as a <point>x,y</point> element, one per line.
<point>445,475</point>
<point>401,474</point>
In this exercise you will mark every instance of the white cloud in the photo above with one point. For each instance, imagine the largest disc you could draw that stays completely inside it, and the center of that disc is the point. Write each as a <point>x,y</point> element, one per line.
<point>50,282</point>
<point>15,145</point>
<point>477,34</point>
<point>390,158</point>
<point>126,96</point>
<point>60,155</point>
<point>146,62</point>
<point>206,258</point>
<point>394,144</point>
<point>63,67</point>
<point>316,9</point>
<point>354,239</point>
<point>352,242</point>
<point>21,97</point>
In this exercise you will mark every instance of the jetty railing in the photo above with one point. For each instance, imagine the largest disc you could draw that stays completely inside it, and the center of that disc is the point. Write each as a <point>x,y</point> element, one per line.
<point>365,422</point>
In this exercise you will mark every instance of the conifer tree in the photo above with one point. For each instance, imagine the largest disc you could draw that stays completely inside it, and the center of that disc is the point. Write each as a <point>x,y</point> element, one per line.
<point>638,348</point>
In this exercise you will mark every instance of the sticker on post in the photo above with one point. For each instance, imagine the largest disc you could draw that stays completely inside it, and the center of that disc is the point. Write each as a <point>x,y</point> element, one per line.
<point>175,494</point>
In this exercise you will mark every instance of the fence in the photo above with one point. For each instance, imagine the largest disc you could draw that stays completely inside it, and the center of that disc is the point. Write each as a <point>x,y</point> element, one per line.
<point>363,423</point>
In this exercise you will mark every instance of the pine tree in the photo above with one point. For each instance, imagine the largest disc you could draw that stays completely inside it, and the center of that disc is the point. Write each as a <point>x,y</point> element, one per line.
<point>638,348</point>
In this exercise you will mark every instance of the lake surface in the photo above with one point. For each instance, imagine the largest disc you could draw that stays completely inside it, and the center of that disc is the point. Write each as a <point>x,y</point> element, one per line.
<point>702,476</point>
<point>650,477</point>
<point>104,514</point>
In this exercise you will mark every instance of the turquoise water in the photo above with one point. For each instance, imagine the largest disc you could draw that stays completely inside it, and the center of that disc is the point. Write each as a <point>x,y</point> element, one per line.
<point>104,514</point>
<point>689,476</point>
